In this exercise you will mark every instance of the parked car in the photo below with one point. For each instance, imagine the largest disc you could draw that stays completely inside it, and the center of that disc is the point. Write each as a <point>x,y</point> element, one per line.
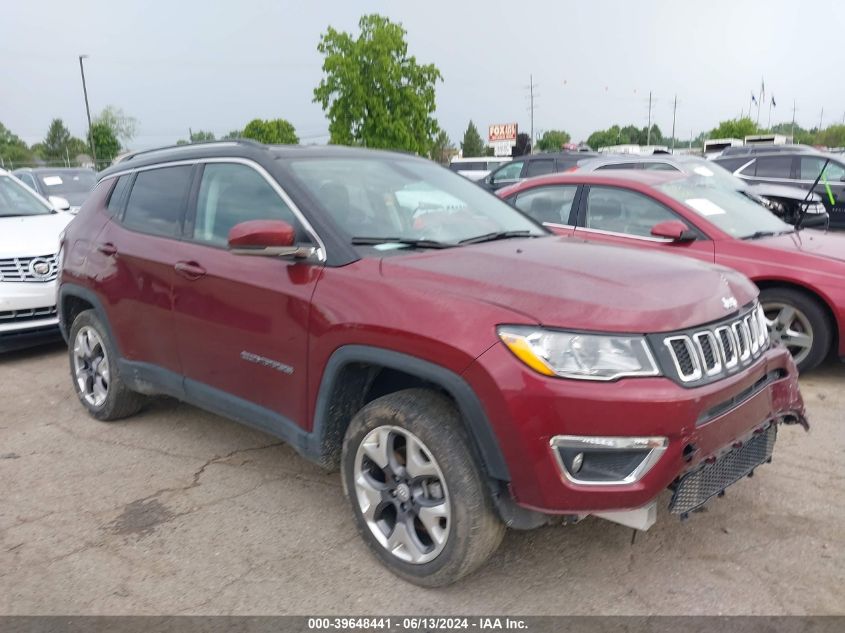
<point>765,148</point>
<point>463,367</point>
<point>790,204</point>
<point>533,165</point>
<point>801,274</point>
<point>476,168</point>
<point>29,245</point>
<point>56,184</point>
<point>799,169</point>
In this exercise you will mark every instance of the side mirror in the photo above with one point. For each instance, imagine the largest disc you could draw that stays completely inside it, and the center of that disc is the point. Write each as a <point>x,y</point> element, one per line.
<point>674,230</point>
<point>273,238</point>
<point>59,203</point>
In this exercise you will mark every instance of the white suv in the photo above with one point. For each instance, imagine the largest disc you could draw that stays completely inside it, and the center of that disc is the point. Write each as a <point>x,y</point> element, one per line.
<point>29,242</point>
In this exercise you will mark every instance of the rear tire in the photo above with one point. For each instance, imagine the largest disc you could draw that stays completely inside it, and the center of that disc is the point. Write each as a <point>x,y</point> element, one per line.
<point>411,445</point>
<point>94,372</point>
<point>800,323</point>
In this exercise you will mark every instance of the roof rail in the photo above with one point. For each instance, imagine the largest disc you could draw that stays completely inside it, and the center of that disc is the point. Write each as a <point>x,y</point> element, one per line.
<point>220,143</point>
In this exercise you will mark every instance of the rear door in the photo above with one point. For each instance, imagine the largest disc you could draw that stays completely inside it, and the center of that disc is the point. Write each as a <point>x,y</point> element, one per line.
<point>615,215</point>
<point>242,321</point>
<point>138,249</point>
<point>831,186</point>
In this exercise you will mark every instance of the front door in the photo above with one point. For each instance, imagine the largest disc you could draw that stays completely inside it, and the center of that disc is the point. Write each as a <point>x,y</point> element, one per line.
<point>242,320</point>
<point>614,215</point>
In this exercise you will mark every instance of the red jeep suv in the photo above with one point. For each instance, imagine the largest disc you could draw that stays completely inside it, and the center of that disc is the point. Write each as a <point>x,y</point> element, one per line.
<point>465,369</point>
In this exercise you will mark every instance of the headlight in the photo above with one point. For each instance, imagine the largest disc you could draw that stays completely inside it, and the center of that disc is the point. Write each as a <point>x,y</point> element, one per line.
<point>577,355</point>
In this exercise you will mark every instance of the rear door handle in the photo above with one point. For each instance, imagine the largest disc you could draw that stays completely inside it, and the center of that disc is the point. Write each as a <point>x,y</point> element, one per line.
<point>189,270</point>
<point>107,248</point>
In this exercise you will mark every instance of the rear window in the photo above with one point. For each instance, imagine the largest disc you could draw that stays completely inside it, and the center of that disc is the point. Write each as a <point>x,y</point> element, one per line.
<point>539,168</point>
<point>774,167</point>
<point>118,195</point>
<point>157,201</point>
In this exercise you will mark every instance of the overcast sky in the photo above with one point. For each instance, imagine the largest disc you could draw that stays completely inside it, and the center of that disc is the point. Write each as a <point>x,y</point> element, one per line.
<point>214,65</point>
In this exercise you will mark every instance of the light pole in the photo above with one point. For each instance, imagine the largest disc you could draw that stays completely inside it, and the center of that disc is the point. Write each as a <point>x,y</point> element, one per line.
<point>88,111</point>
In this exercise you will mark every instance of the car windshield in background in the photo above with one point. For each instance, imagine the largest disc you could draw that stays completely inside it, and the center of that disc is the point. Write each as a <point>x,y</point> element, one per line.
<point>66,182</point>
<point>16,200</point>
<point>721,177</point>
<point>408,201</point>
<point>728,209</point>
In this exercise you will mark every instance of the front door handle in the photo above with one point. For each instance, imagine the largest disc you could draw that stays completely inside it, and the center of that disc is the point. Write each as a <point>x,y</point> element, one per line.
<point>189,270</point>
<point>107,249</point>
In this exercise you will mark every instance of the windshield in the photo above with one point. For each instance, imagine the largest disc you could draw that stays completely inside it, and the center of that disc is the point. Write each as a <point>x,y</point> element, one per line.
<point>728,209</point>
<point>408,200</point>
<point>15,199</point>
<point>66,182</point>
<point>707,169</point>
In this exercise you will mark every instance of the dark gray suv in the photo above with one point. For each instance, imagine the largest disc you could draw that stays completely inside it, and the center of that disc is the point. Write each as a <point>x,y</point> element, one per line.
<point>798,168</point>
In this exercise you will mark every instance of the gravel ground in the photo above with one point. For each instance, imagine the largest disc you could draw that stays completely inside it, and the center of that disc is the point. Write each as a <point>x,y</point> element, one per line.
<point>179,511</point>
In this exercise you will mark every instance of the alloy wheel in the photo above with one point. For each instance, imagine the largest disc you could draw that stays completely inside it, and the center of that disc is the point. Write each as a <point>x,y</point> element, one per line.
<point>789,326</point>
<point>91,366</point>
<point>402,494</point>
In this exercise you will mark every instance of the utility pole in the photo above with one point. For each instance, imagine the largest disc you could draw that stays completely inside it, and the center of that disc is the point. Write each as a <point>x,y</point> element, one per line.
<point>770,115</point>
<point>793,120</point>
<point>190,135</point>
<point>88,111</point>
<point>821,116</point>
<point>648,133</point>
<point>674,111</point>
<point>531,97</point>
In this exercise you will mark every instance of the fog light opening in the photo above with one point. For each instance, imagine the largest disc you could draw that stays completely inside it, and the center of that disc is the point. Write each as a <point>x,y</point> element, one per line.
<point>577,462</point>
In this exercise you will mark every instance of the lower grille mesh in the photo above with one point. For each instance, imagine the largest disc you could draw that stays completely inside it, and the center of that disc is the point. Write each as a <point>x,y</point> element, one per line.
<point>695,488</point>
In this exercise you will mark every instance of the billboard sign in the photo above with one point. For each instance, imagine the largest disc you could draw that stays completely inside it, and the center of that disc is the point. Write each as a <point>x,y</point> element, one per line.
<point>502,132</point>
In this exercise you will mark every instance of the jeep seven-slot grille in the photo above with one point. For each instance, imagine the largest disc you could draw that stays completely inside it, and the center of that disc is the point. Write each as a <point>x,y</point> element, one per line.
<point>39,268</point>
<point>711,352</point>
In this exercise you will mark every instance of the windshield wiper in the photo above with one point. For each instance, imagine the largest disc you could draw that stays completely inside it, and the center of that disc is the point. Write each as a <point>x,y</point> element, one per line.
<point>416,243</point>
<point>757,235</point>
<point>499,235</point>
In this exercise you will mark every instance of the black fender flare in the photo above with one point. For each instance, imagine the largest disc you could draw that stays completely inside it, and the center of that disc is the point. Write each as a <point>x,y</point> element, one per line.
<point>75,290</point>
<point>469,405</point>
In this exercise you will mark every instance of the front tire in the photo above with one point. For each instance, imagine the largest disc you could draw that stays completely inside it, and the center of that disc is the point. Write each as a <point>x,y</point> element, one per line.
<point>798,322</point>
<point>419,498</point>
<point>93,369</point>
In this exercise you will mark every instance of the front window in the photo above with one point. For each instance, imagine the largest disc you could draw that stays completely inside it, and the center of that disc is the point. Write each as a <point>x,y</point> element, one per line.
<point>552,204</point>
<point>511,171</point>
<point>66,183</point>
<point>406,200</point>
<point>728,209</point>
<point>16,200</point>
<point>623,211</point>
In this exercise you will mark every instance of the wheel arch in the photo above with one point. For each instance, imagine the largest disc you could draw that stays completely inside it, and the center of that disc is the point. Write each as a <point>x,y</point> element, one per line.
<point>72,300</point>
<point>357,374</point>
<point>813,293</point>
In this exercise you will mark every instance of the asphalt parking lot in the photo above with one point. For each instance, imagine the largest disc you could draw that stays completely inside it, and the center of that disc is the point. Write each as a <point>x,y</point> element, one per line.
<point>179,511</point>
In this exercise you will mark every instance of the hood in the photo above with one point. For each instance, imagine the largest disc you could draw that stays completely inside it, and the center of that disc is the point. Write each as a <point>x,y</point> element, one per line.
<point>782,191</point>
<point>829,246</point>
<point>568,283</point>
<point>26,236</point>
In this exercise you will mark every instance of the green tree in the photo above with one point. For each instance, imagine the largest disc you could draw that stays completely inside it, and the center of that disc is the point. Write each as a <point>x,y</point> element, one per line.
<point>523,145</point>
<point>57,139</point>
<point>734,128</point>
<point>272,132</point>
<point>202,136</point>
<point>106,143</point>
<point>473,144</point>
<point>373,92</point>
<point>12,148</point>
<point>234,134</point>
<point>442,148</point>
<point>553,140</point>
<point>833,136</point>
<point>122,125</point>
